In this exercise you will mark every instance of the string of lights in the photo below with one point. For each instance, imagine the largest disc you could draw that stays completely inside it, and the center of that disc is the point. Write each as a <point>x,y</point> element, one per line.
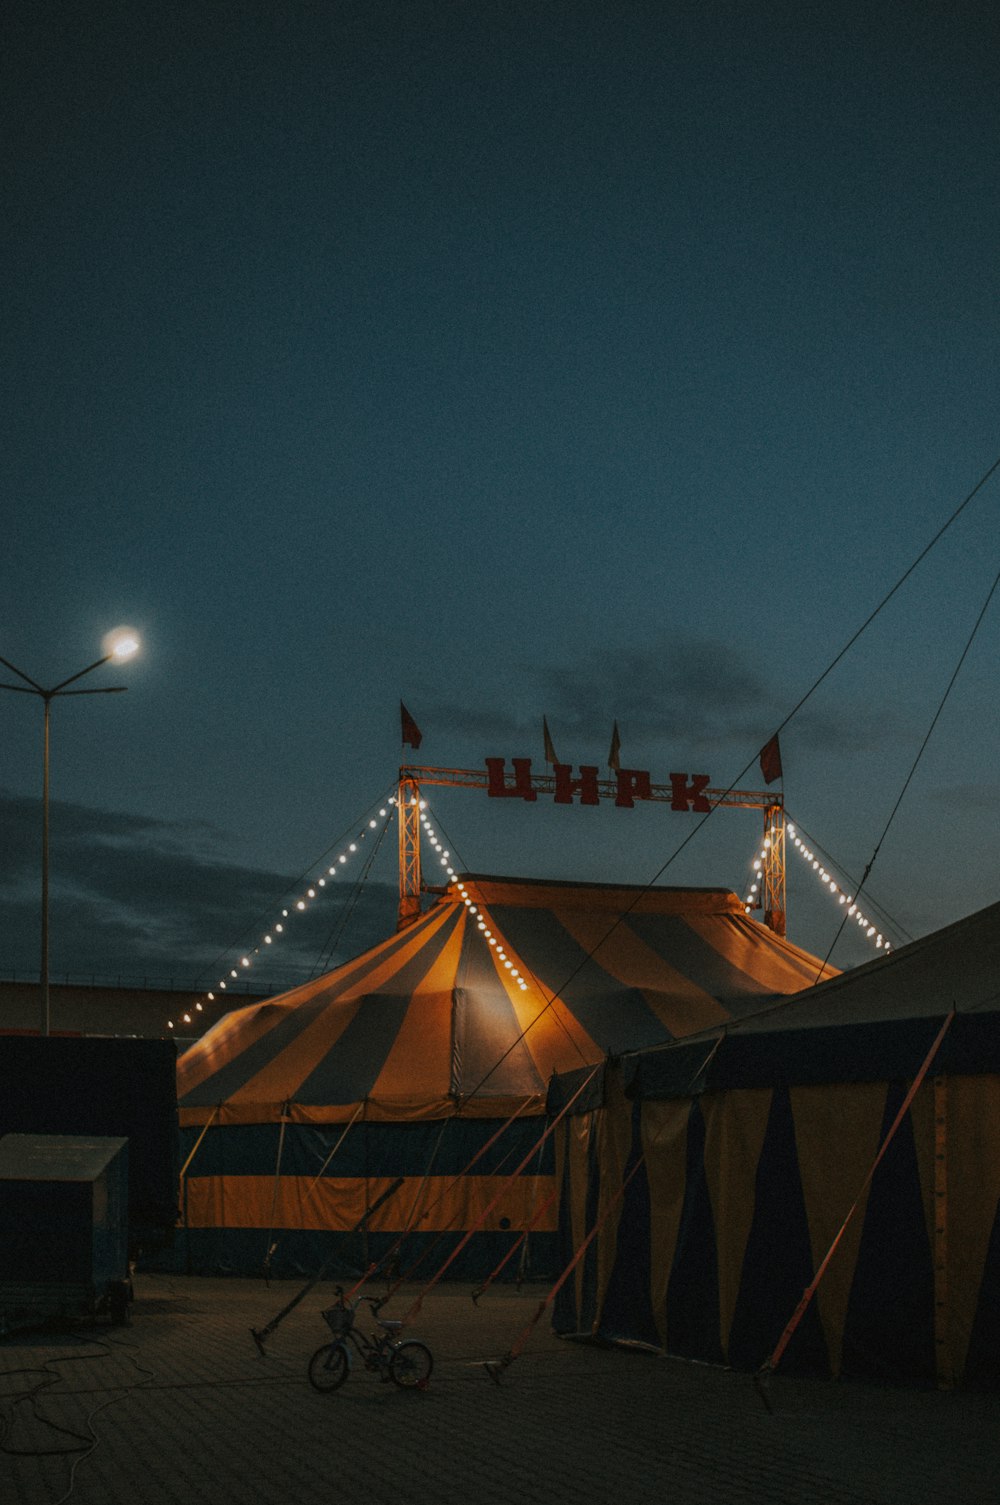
<point>296,906</point>
<point>752,897</point>
<point>525,980</point>
<point>887,923</point>
<point>444,856</point>
<point>475,910</point>
<point>324,960</point>
<point>482,925</point>
<point>342,859</point>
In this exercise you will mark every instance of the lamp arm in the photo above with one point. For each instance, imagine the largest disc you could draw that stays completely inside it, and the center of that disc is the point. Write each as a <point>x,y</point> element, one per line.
<point>21,675</point>
<point>56,689</point>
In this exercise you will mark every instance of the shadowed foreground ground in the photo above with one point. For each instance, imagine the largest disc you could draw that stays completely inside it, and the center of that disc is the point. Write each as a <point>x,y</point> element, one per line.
<point>181,1407</point>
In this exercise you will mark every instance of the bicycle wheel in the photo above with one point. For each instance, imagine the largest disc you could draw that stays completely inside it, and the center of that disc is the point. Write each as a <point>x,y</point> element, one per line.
<point>329,1367</point>
<point>411,1364</point>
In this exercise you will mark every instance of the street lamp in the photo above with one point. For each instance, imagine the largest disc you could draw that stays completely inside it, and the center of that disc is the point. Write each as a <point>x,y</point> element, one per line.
<point>121,645</point>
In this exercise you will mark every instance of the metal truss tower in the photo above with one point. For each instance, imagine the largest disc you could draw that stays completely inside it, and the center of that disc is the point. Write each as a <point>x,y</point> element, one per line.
<point>409,849</point>
<point>411,778</point>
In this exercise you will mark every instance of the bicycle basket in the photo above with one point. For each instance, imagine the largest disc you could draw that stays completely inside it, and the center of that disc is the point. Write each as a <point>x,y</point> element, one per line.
<point>339,1319</point>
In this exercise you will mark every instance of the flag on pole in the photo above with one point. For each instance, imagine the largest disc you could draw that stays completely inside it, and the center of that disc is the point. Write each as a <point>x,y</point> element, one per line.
<point>615,753</point>
<point>770,760</point>
<point>550,752</point>
<point>410,730</point>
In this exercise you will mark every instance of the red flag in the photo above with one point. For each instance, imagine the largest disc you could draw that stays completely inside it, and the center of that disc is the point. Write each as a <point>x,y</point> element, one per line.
<point>550,752</point>
<point>770,760</point>
<point>410,730</point>
<point>614,755</point>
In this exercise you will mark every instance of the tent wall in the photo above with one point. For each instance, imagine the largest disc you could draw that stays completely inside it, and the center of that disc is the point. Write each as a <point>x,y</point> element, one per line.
<point>251,1189</point>
<point>740,1195</point>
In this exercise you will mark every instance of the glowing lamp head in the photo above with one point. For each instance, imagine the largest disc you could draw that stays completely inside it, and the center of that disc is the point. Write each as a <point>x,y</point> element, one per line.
<point>121,643</point>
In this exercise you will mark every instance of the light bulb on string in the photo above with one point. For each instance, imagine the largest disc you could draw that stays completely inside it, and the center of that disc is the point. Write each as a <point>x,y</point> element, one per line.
<point>831,884</point>
<point>300,906</point>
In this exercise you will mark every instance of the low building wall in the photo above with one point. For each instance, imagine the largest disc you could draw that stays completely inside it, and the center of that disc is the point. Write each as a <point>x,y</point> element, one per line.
<point>111,1010</point>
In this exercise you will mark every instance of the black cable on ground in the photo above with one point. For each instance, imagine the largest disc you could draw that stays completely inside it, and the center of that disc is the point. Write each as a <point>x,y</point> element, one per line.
<point>86,1445</point>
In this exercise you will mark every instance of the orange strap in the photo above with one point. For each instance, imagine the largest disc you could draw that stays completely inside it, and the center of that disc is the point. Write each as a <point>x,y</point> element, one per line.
<point>810,1290</point>
<point>494,1370</point>
<point>415,1308</point>
<point>401,1238</point>
<point>536,1216</point>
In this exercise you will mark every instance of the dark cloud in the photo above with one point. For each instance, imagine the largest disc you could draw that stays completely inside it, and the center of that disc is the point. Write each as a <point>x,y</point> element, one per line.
<point>135,897</point>
<point>965,799</point>
<point>693,692</point>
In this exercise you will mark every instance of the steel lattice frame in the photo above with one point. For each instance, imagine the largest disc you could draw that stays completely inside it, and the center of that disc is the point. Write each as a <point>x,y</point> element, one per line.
<point>410,779</point>
<point>409,850</point>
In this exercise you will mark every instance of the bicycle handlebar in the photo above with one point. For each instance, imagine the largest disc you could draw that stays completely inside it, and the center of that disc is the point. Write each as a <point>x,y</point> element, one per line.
<point>375,1302</point>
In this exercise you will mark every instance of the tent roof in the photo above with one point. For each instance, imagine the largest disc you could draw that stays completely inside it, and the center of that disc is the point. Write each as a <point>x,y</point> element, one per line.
<point>874,1023</point>
<point>435,1018</point>
<point>958,965</point>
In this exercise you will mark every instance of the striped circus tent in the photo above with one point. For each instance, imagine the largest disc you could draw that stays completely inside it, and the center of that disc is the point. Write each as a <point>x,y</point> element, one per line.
<point>421,1068</point>
<point>705,1183</point>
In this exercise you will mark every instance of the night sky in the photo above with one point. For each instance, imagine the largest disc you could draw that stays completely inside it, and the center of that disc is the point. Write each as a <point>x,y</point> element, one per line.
<point>594,361</point>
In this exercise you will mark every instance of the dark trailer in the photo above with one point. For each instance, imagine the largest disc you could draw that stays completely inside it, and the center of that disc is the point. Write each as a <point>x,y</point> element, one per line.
<point>103,1085</point>
<point>63,1228</point>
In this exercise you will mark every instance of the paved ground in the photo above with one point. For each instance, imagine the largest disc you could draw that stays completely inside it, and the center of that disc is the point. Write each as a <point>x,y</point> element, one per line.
<point>180,1407</point>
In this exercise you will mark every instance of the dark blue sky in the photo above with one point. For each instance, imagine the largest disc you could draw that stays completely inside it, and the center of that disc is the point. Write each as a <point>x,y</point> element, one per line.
<point>594,360</point>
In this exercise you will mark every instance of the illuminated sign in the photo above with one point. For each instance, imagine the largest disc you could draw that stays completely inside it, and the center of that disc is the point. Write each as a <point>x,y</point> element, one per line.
<point>566,784</point>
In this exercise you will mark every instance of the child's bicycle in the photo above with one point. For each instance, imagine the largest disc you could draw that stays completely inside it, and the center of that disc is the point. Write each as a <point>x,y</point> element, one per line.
<point>407,1363</point>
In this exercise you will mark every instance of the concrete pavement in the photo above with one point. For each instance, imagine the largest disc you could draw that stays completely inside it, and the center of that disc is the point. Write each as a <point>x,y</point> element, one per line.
<point>179,1408</point>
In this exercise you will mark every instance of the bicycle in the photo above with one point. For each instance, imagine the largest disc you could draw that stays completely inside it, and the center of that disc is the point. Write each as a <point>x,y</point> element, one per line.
<point>406,1362</point>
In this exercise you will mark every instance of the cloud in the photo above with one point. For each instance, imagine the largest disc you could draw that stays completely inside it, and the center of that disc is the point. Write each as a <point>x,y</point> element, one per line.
<point>965,799</point>
<point>696,694</point>
<point>133,896</point>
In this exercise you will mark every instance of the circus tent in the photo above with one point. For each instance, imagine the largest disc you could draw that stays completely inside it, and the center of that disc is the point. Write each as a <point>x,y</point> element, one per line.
<point>714,1175</point>
<point>421,1067</point>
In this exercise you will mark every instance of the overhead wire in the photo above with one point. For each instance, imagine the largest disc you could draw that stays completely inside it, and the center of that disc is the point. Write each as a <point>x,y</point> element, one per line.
<point>920,751</point>
<point>494,1369</point>
<point>852,640</point>
<point>292,887</point>
<point>889,920</point>
<point>347,908</point>
<point>685,842</point>
<point>522,965</point>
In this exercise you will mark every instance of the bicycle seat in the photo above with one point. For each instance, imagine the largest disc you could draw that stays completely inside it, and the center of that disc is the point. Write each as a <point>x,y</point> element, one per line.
<point>391,1324</point>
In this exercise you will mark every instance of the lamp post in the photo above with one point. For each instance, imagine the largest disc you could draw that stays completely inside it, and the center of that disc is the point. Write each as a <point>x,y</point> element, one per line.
<point>123,645</point>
